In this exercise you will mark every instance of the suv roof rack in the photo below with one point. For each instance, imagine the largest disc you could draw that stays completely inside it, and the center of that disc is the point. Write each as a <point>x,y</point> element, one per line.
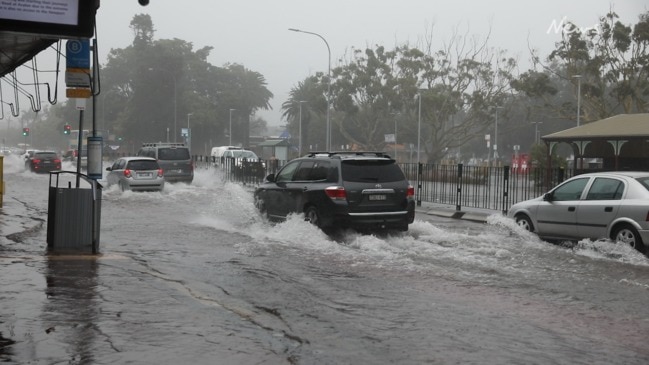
<point>165,144</point>
<point>348,153</point>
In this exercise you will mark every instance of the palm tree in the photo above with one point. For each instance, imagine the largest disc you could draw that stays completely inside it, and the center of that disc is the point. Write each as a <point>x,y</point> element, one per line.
<point>309,93</point>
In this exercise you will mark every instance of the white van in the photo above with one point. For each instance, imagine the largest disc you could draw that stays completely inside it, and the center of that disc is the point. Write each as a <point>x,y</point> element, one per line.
<point>217,154</point>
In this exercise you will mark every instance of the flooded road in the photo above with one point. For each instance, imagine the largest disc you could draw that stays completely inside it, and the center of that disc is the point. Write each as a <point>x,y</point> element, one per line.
<point>194,274</point>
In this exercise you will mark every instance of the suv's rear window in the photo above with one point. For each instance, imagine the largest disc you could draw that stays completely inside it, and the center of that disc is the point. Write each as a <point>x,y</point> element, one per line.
<point>48,155</point>
<point>143,165</point>
<point>371,171</point>
<point>173,154</point>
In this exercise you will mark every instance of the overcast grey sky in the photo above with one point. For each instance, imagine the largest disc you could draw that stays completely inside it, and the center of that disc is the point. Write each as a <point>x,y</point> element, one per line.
<point>255,33</point>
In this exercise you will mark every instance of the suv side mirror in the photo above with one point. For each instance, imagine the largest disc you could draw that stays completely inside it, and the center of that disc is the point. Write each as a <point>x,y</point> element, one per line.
<point>270,178</point>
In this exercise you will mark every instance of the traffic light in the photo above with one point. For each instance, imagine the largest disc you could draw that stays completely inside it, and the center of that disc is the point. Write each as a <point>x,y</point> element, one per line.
<point>66,129</point>
<point>25,132</point>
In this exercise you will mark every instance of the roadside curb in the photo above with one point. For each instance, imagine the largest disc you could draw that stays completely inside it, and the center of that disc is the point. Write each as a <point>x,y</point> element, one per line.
<point>478,217</point>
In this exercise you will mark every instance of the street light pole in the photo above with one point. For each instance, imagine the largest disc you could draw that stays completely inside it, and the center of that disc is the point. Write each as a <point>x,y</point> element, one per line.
<point>419,128</point>
<point>328,131</point>
<point>496,137</point>
<point>395,133</point>
<point>536,132</point>
<point>578,77</point>
<point>189,134</point>
<point>231,110</point>
<point>300,129</point>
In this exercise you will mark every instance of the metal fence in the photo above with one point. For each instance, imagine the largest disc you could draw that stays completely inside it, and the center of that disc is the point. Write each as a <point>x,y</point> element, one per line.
<point>483,187</point>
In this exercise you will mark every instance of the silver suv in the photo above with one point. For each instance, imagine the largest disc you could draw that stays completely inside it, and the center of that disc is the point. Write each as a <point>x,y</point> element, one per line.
<point>360,190</point>
<point>174,159</point>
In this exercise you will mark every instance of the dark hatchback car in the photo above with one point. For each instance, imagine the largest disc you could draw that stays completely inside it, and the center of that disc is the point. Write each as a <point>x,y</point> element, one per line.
<point>359,190</point>
<point>43,161</point>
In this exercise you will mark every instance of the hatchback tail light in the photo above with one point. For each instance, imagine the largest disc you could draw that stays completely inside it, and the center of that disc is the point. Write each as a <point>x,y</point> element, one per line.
<point>336,193</point>
<point>127,172</point>
<point>410,193</point>
<point>160,173</point>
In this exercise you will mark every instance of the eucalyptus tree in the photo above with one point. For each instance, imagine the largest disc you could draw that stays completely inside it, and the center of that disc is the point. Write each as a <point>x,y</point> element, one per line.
<point>156,85</point>
<point>459,86</point>
<point>608,64</point>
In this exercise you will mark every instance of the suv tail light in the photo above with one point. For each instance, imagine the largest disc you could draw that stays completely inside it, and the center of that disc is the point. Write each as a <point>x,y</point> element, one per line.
<point>159,172</point>
<point>336,193</point>
<point>410,193</point>
<point>127,172</point>
<point>36,161</point>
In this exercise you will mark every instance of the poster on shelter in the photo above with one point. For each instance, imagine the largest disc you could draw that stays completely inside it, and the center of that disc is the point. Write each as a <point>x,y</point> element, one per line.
<point>63,12</point>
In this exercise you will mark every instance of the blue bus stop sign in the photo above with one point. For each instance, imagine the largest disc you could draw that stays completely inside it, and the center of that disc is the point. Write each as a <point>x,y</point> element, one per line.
<point>77,53</point>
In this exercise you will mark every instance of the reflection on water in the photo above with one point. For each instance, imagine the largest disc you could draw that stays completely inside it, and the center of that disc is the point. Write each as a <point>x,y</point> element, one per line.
<point>71,307</point>
<point>5,348</point>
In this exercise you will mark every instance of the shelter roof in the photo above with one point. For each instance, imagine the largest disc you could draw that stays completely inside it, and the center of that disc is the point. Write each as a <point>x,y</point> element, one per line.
<point>621,126</point>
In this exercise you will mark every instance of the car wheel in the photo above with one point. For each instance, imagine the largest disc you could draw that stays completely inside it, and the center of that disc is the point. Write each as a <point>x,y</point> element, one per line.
<point>525,222</point>
<point>311,215</point>
<point>629,235</point>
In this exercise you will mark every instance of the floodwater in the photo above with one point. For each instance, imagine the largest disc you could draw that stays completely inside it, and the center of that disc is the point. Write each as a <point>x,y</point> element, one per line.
<point>194,274</point>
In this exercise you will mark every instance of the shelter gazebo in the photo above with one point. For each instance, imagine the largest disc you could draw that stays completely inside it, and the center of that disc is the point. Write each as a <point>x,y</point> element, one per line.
<point>621,141</point>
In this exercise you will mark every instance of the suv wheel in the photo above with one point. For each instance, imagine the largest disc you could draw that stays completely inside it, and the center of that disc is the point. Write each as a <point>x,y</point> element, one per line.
<point>311,215</point>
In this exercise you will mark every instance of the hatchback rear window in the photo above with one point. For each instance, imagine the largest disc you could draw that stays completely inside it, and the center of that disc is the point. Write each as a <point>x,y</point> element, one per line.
<point>143,165</point>
<point>173,154</point>
<point>371,171</point>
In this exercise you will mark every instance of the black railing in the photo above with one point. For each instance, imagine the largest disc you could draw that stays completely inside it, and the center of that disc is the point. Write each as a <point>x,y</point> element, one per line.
<point>482,187</point>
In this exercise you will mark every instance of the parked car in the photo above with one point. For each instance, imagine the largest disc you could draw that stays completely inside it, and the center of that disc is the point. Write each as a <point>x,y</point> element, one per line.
<point>28,154</point>
<point>608,205</point>
<point>217,154</point>
<point>174,159</point>
<point>243,163</point>
<point>43,161</point>
<point>359,190</point>
<point>136,174</point>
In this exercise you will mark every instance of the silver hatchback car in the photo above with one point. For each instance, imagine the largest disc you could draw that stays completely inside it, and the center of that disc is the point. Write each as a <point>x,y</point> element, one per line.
<point>136,173</point>
<point>608,205</point>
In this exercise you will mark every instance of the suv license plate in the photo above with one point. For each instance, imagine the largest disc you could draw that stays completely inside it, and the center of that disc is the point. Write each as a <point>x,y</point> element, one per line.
<point>377,197</point>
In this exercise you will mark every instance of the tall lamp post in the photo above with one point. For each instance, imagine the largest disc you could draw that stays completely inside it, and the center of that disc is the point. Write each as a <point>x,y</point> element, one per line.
<point>328,131</point>
<point>231,110</point>
<point>189,133</point>
<point>536,132</point>
<point>419,127</point>
<point>496,137</point>
<point>395,134</point>
<point>578,77</point>
<point>419,166</point>
<point>299,149</point>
